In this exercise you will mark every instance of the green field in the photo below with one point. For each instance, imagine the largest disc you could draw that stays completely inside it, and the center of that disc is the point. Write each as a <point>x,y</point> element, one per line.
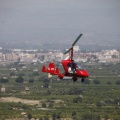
<point>95,99</point>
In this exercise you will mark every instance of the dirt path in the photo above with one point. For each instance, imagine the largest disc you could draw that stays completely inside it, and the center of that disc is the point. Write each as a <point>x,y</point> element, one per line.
<point>16,100</point>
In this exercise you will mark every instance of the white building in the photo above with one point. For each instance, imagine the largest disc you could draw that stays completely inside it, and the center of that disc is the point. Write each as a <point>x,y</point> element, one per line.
<point>3,89</point>
<point>76,48</point>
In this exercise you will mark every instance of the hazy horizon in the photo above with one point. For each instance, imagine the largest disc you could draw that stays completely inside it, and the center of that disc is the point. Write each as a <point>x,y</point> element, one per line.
<point>61,21</point>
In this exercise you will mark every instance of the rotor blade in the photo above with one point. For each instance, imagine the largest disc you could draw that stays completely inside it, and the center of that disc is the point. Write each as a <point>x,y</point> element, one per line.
<point>77,39</point>
<point>67,51</point>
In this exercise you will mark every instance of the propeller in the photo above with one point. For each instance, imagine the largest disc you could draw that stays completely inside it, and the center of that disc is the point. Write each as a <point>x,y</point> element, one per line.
<point>77,39</point>
<point>74,43</point>
<point>68,51</point>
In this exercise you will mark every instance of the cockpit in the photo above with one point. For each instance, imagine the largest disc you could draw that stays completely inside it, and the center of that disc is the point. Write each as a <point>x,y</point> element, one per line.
<point>75,65</point>
<point>78,66</point>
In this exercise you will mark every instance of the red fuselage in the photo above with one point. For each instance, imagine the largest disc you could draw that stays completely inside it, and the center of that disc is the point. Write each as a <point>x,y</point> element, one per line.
<point>79,71</point>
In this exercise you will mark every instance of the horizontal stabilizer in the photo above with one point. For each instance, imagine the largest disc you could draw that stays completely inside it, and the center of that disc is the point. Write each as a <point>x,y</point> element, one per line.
<point>51,70</point>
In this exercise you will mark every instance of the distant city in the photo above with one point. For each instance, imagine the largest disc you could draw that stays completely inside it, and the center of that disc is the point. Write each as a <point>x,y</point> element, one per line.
<point>43,56</point>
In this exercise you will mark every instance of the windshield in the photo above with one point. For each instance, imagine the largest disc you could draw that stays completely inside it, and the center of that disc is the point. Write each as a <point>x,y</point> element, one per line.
<point>78,66</point>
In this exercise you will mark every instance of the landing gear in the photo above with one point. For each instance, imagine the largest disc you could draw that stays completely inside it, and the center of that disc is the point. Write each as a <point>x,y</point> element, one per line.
<point>82,80</point>
<point>74,79</point>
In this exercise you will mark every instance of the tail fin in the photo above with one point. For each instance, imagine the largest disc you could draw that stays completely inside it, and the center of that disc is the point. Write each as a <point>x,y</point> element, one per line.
<point>44,69</point>
<point>57,71</point>
<point>51,68</point>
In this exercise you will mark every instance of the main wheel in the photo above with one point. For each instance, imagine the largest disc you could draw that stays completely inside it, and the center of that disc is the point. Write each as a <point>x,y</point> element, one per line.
<point>74,79</point>
<point>82,80</point>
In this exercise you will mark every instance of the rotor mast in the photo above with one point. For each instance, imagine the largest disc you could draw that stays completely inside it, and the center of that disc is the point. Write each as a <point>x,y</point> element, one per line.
<point>71,54</point>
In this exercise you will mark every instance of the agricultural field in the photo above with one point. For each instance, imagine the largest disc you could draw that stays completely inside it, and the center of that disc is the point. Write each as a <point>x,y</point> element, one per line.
<point>27,93</point>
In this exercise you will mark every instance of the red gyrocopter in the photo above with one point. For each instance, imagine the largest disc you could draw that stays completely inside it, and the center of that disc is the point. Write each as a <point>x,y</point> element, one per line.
<point>71,68</point>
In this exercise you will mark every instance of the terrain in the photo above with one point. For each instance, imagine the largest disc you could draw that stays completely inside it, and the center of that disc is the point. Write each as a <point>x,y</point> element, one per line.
<point>31,92</point>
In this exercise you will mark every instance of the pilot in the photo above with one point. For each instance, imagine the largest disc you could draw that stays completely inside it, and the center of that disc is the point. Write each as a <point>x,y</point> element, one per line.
<point>73,67</point>
<point>69,68</point>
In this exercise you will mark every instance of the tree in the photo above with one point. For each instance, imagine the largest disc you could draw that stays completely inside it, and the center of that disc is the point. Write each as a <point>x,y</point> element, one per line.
<point>118,82</point>
<point>96,81</point>
<point>4,80</point>
<point>74,113</point>
<point>106,117</point>
<point>56,116</point>
<point>31,80</point>
<point>46,118</point>
<point>116,100</point>
<point>43,105</point>
<point>29,116</point>
<point>99,104</point>
<point>41,118</point>
<point>77,100</point>
<point>48,92</point>
<point>19,79</point>
<point>50,105</point>
<point>90,116</point>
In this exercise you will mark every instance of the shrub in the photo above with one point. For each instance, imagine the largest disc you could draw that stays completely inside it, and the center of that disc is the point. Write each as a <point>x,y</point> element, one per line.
<point>99,104</point>
<point>50,105</point>
<point>118,82</point>
<point>43,105</point>
<point>90,116</point>
<point>74,113</point>
<point>77,100</point>
<point>19,79</point>
<point>56,116</point>
<point>31,80</point>
<point>45,85</point>
<point>46,118</point>
<point>29,116</point>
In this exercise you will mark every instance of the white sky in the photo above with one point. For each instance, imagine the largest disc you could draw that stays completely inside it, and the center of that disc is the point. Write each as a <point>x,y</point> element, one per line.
<point>59,20</point>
